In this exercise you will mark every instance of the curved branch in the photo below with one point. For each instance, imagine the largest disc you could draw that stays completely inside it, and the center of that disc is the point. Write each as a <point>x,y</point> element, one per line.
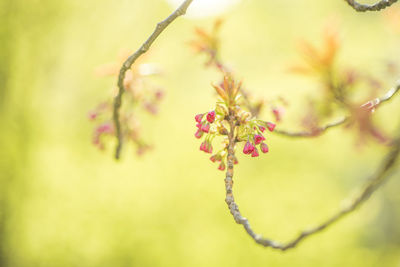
<point>370,105</point>
<point>313,133</point>
<point>375,7</point>
<point>371,186</point>
<point>161,26</point>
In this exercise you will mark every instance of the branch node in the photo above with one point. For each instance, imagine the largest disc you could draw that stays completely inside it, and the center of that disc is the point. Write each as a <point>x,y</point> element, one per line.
<point>128,64</point>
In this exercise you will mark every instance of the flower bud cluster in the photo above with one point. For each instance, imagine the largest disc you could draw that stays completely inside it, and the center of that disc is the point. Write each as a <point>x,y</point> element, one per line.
<point>214,123</point>
<point>141,96</point>
<point>253,133</point>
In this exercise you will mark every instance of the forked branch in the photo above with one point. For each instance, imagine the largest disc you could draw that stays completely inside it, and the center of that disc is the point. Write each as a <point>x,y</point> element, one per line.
<point>161,26</point>
<point>374,7</point>
<point>371,186</point>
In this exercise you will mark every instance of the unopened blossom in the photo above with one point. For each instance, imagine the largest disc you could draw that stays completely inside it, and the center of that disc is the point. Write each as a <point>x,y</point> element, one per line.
<point>205,127</point>
<point>198,134</point>
<point>255,153</point>
<point>264,148</point>
<point>278,113</point>
<point>206,147</point>
<point>211,116</point>
<point>248,148</point>
<point>221,166</point>
<point>258,138</point>
<point>213,158</point>
<point>199,117</point>
<point>271,126</point>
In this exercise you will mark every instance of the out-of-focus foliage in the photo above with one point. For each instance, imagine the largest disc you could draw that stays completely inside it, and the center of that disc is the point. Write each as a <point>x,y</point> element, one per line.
<point>62,203</point>
<point>341,88</point>
<point>141,96</point>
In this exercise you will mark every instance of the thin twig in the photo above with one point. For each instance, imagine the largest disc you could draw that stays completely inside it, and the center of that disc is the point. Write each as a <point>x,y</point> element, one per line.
<point>375,7</point>
<point>371,186</point>
<point>313,133</point>
<point>370,105</point>
<point>161,26</point>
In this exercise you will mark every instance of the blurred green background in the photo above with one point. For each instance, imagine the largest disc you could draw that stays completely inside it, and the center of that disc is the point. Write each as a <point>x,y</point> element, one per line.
<point>64,203</point>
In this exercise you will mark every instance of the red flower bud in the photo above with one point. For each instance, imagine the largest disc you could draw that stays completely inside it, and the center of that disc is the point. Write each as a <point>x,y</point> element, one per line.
<point>198,134</point>
<point>264,147</point>
<point>248,148</point>
<point>211,116</point>
<point>205,127</point>
<point>262,128</point>
<point>206,147</point>
<point>203,146</point>
<point>278,112</point>
<point>255,153</point>
<point>213,158</point>
<point>199,117</point>
<point>221,166</point>
<point>235,160</point>
<point>258,138</point>
<point>92,115</point>
<point>151,107</point>
<point>270,126</point>
<point>104,128</point>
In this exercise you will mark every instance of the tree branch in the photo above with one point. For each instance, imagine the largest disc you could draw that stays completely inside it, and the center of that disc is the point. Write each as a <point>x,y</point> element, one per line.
<point>386,97</point>
<point>161,26</point>
<point>375,7</point>
<point>371,105</point>
<point>315,132</point>
<point>371,186</point>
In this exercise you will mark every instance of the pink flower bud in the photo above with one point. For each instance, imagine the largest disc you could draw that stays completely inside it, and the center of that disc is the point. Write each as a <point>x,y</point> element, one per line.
<point>203,146</point>
<point>206,147</point>
<point>264,148</point>
<point>205,127</point>
<point>92,115</point>
<point>258,138</point>
<point>278,112</point>
<point>199,117</point>
<point>151,108</point>
<point>198,134</point>
<point>270,126</point>
<point>159,94</point>
<point>248,148</point>
<point>213,158</point>
<point>235,160</point>
<point>211,116</point>
<point>221,166</point>
<point>255,153</point>
<point>262,128</point>
<point>104,128</point>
